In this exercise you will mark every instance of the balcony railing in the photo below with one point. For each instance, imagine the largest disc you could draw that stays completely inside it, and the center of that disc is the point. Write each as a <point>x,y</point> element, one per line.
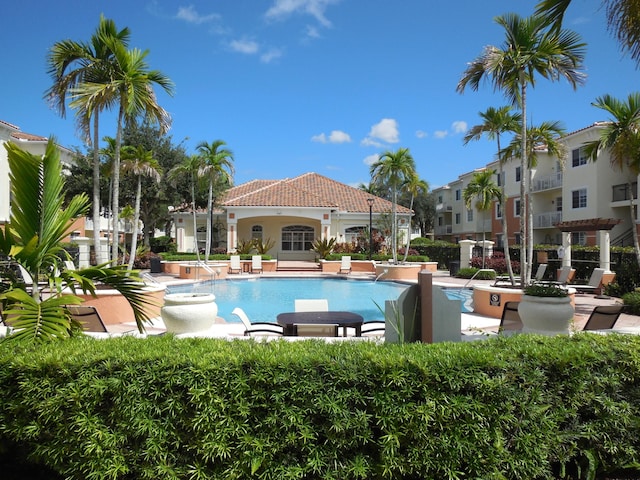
<point>444,207</point>
<point>546,220</point>
<point>621,192</point>
<point>547,183</point>
<point>444,230</point>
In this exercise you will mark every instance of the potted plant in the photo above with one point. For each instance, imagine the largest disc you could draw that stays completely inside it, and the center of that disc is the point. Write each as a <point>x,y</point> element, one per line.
<point>546,308</point>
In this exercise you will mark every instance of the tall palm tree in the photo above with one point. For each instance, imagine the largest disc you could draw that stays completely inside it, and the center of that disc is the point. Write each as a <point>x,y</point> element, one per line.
<point>484,191</point>
<point>71,64</point>
<point>497,121</point>
<point>217,166</point>
<point>621,137</point>
<point>189,166</point>
<point>543,138</point>
<point>140,163</point>
<point>394,169</point>
<point>623,21</point>
<point>132,85</point>
<point>531,47</point>
<point>415,186</point>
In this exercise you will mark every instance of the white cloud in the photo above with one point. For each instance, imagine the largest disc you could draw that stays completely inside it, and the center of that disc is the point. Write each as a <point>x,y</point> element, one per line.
<point>368,142</point>
<point>459,126</point>
<point>190,15</point>
<point>336,136</point>
<point>385,130</point>
<point>270,55</point>
<point>421,134</point>
<point>246,46</point>
<point>316,8</point>
<point>440,134</point>
<point>371,159</point>
<point>312,32</point>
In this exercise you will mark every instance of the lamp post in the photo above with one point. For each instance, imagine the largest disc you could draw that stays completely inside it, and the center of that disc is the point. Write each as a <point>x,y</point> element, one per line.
<point>370,202</point>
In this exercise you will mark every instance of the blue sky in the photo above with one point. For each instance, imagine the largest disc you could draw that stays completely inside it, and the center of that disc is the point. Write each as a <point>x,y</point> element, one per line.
<point>295,86</point>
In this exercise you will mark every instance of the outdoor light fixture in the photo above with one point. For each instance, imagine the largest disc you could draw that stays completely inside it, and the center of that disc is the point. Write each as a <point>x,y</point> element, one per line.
<point>370,202</point>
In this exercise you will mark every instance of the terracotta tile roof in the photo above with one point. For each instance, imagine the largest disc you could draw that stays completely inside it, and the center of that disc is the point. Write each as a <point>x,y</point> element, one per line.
<point>307,190</point>
<point>28,137</point>
<point>10,125</point>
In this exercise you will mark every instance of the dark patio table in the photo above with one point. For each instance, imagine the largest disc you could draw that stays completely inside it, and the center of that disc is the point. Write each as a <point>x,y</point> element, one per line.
<point>289,320</point>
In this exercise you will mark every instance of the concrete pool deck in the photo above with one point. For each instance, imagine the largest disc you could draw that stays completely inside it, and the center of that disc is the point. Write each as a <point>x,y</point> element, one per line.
<point>470,322</point>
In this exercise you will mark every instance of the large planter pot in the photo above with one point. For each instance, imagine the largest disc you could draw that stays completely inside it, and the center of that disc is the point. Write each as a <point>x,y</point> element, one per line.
<point>546,315</point>
<point>189,312</point>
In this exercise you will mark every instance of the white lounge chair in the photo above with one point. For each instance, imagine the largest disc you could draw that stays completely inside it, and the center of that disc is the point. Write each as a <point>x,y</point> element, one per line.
<point>565,273</point>
<point>256,263</point>
<point>234,264</point>
<point>595,282</point>
<point>345,264</point>
<point>542,268</point>
<point>251,328</point>
<point>310,330</point>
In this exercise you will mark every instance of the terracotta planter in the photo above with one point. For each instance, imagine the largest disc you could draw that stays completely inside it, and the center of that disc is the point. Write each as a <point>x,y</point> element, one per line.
<point>189,312</point>
<point>546,315</point>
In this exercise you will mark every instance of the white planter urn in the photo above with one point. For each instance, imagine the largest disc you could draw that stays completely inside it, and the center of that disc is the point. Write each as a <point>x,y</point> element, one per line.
<point>546,315</point>
<point>189,312</point>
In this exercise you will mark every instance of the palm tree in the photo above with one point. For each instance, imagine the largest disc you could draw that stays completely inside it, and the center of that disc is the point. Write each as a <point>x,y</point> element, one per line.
<point>484,191</point>
<point>496,122</point>
<point>414,186</point>
<point>140,163</point>
<point>189,166</point>
<point>132,85</point>
<point>531,47</point>
<point>33,238</point>
<point>93,63</point>
<point>623,21</point>
<point>217,166</point>
<point>394,169</point>
<point>621,137</point>
<point>540,139</point>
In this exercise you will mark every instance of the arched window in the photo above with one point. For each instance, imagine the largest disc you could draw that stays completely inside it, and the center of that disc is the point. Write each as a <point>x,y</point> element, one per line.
<point>297,238</point>
<point>256,232</point>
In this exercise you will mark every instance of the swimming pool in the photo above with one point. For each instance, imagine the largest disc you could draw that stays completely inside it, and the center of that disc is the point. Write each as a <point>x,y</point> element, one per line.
<point>464,295</point>
<point>264,298</point>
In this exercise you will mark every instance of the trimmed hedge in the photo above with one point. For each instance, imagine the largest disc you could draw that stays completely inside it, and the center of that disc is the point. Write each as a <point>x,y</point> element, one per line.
<point>523,407</point>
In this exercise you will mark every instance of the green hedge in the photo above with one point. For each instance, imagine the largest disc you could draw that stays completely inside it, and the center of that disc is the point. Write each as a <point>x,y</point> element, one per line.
<point>192,257</point>
<point>523,407</point>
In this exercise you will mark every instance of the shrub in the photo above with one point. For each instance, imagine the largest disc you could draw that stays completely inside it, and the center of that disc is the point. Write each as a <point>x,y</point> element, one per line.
<point>518,407</point>
<point>632,302</point>
<point>480,275</point>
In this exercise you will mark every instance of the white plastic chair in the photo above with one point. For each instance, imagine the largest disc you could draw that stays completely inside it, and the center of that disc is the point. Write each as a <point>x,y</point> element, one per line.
<point>345,264</point>
<point>234,264</point>
<point>263,328</point>
<point>310,330</point>
<point>256,263</point>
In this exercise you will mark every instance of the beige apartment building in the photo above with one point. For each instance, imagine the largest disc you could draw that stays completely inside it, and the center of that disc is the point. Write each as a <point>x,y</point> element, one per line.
<point>575,191</point>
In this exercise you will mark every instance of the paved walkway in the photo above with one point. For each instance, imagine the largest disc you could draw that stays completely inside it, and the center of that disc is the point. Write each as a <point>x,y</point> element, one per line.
<point>585,303</point>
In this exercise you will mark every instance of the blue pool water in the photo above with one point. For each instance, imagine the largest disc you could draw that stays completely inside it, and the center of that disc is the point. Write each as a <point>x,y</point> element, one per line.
<point>263,299</point>
<point>464,295</point>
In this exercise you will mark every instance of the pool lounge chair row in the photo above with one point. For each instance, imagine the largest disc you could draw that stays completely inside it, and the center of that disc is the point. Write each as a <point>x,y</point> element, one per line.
<point>235,266</point>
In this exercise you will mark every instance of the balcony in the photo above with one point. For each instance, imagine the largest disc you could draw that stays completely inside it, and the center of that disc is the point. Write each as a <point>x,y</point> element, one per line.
<point>548,182</point>
<point>444,207</point>
<point>621,192</point>
<point>444,230</point>
<point>546,220</point>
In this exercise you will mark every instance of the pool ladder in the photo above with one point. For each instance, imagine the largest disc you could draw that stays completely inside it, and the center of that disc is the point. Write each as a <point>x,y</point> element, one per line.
<point>474,276</point>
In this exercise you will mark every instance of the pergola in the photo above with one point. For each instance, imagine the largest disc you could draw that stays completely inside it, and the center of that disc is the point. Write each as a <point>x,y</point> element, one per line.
<point>602,225</point>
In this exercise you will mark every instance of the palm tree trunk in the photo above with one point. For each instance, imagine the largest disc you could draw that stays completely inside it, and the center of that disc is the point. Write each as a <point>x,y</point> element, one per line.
<point>484,237</point>
<point>634,227</point>
<point>525,272</point>
<point>394,227</point>
<point>136,219</point>
<point>207,249</point>
<point>116,188</point>
<point>96,191</point>
<point>406,250</point>
<point>195,221</point>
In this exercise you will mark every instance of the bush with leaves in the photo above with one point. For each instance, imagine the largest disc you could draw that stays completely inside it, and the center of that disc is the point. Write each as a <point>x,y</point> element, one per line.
<point>519,407</point>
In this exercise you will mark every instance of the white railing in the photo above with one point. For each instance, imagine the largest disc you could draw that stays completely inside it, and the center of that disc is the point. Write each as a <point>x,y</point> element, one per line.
<point>547,183</point>
<point>546,220</point>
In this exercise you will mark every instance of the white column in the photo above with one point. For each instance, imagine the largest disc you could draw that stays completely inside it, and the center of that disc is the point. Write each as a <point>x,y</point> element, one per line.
<point>566,249</point>
<point>466,250</point>
<point>84,255</point>
<point>232,235</point>
<point>605,250</point>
